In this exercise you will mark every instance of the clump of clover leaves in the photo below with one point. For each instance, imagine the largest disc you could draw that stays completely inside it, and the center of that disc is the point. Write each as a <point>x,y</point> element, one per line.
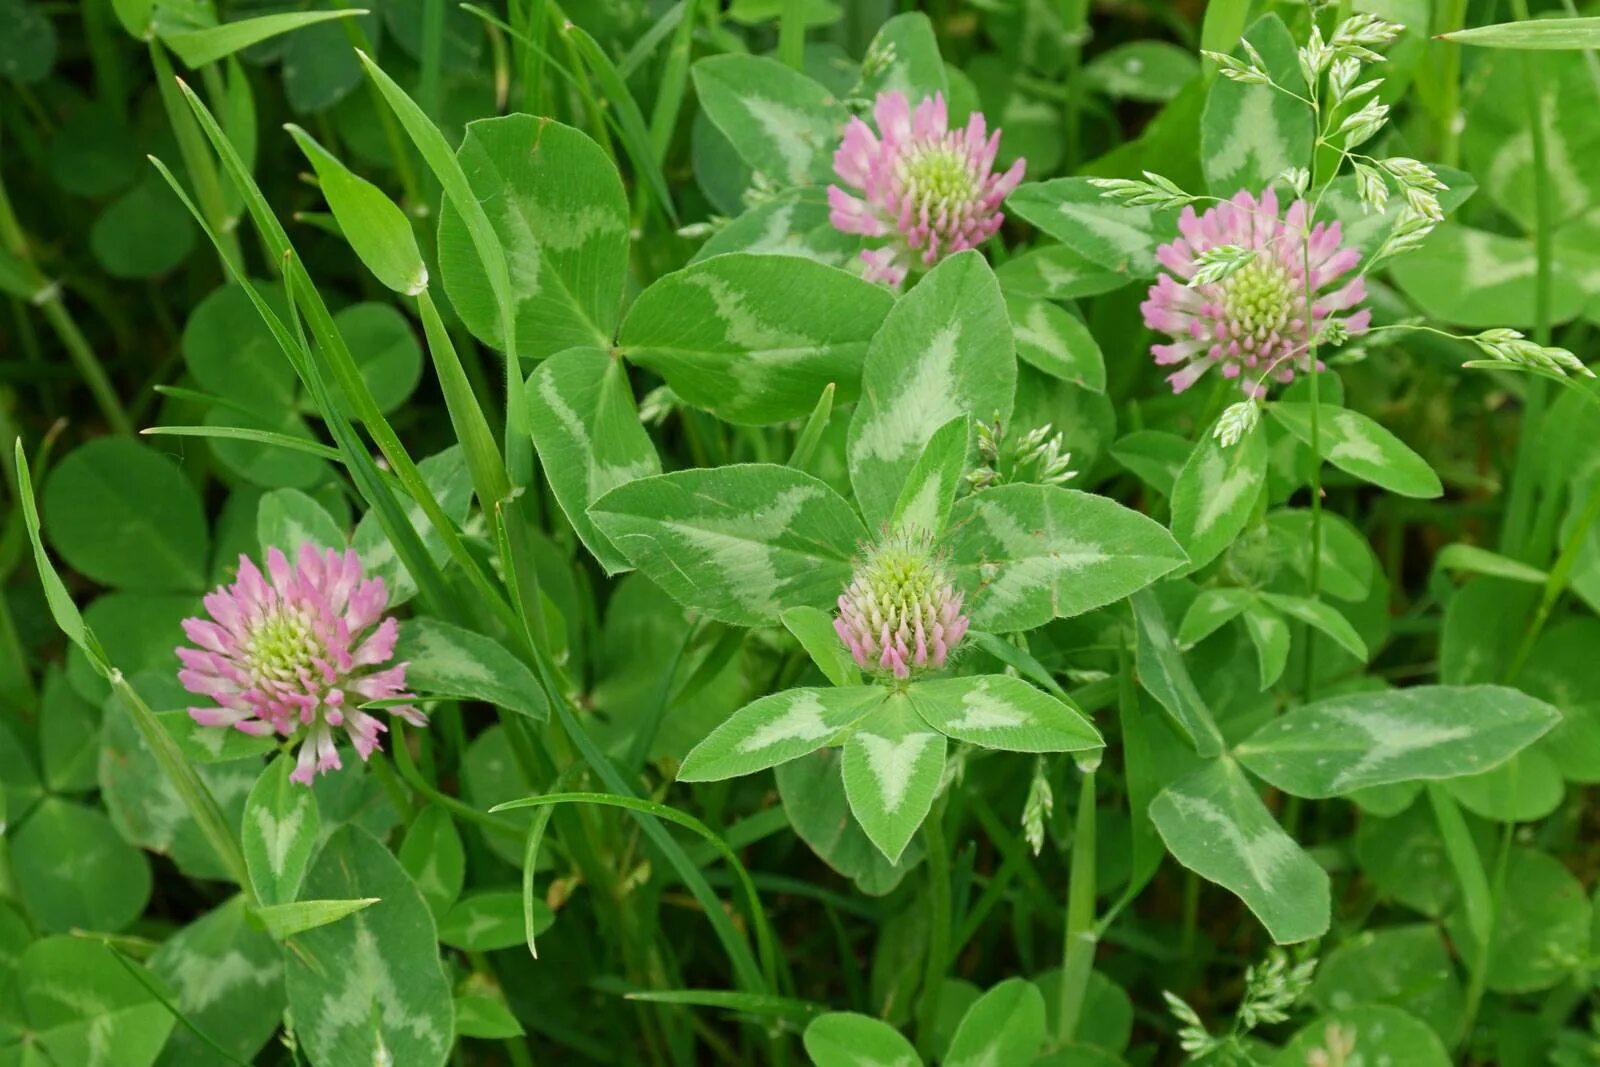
<point>762,544</point>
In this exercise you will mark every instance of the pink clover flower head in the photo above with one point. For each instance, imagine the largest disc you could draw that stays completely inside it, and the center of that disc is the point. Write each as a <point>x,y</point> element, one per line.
<point>900,613</point>
<point>929,190</point>
<point>294,652</point>
<point>1252,323</point>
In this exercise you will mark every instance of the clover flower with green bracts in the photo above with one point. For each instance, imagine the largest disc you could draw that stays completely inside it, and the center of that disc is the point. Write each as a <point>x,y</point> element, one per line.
<point>295,655</point>
<point>1237,295</point>
<point>930,190</point>
<point>900,614</point>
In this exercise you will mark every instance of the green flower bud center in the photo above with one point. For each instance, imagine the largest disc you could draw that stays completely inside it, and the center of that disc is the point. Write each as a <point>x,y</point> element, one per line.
<point>937,173</point>
<point>1260,296</point>
<point>901,575</point>
<point>281,645</point>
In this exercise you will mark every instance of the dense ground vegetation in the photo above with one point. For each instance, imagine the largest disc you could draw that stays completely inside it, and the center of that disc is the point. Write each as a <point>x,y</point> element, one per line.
<point>979,532</point>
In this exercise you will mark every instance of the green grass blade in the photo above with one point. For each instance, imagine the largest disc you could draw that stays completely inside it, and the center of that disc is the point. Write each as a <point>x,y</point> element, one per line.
<point>196,797</point>
<point>154,988</point>
<point>792,34</point>
<point>197,162</point>
<point>199,47</point>
<point>744,964</point>
<point>283,921</point>
<point>674,82</point>
<point>436,152</point>
<point>646,45</point>
<point>489,477</point>
<point>243,433</point>
<point>336,352</point>
<point>673,815</point>
<point>370,483</point>
<point>629,120</point>
<point>1465,861</point>
<point>430,84</point>
<point>62,608</point>
<point>805,446</point>
<point>1567,33</point>
<point>376,229</point>
<point>760,1005</point>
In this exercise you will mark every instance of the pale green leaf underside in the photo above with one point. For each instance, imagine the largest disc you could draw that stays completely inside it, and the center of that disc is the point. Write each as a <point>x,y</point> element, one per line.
<point>1351,742</point>
<point>378,232</point>
<point>1214,823</point>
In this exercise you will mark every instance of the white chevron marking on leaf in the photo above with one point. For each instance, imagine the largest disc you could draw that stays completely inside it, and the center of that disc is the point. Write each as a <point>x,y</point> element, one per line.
<point>802,721</point>
<point>893,763</point>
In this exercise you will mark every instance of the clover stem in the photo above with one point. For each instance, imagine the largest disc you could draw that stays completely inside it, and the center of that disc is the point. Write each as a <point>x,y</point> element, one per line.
<point>1314,572</point>
<point>1081,937</point>
<point>937,864</point>
<point>1514,532</point>
<point>1577,538</point>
